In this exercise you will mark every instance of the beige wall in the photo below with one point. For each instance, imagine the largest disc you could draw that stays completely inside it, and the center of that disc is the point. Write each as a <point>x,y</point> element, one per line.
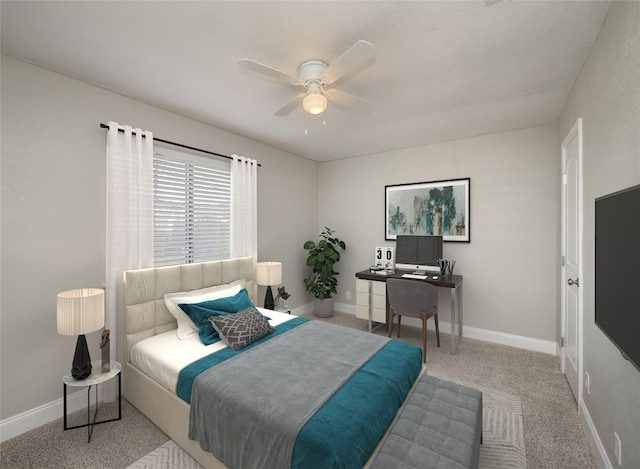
<point>53,213</point>
<point>511,265</point>
<point>607,98</point>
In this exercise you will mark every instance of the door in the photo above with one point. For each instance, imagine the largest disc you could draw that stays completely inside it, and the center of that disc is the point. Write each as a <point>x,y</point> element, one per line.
<point>571,257</point>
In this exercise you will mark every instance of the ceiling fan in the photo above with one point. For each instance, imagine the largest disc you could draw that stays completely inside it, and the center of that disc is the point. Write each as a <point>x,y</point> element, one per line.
<point>317,77</point>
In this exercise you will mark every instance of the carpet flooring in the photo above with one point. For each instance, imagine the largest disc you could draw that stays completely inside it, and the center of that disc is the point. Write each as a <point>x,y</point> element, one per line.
<point>553,435</point>
<point>113,445</point>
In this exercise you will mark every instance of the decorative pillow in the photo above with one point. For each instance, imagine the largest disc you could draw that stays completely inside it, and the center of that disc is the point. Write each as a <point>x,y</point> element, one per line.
<point>186,327</point>
<point>241,329</point>
<point>199,313</point>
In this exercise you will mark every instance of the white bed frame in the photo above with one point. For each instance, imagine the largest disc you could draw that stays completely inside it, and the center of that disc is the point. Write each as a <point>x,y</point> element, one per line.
<point>146,315</point>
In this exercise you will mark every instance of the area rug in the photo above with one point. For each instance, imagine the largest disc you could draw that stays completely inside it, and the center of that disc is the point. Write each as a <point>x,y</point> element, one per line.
<point>502,438</point>
<point>167,456</point>
<point>502,431</point>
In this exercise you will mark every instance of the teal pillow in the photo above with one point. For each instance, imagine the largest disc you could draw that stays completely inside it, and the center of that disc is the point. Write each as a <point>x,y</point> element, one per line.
<point>200,313</point>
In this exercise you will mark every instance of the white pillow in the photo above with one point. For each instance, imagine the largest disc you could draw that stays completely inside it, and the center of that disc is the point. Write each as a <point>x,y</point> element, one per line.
<point>186,327</point>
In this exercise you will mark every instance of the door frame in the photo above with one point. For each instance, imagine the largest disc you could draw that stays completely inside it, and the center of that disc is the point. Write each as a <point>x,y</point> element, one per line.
<point>575,132</point>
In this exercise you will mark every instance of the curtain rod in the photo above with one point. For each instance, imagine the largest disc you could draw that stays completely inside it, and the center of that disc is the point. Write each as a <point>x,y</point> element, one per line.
<point>105,126</point>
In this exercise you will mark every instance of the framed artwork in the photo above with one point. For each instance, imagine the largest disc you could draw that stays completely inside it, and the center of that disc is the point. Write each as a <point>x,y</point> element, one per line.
<point>436,208</point>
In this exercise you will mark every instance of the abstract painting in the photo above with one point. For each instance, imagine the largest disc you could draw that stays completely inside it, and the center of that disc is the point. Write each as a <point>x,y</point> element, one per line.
<point>436,208</point>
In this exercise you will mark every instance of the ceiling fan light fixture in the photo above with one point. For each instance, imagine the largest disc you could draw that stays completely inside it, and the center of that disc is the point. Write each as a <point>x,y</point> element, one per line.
<point>318,79</point>
<point>314,103</point>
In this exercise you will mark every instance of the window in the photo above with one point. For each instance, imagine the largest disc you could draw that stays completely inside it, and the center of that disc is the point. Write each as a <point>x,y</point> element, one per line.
<point>191,208</point>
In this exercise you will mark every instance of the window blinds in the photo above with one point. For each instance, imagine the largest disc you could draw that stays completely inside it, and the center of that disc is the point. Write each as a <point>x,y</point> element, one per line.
<point>191,209</point>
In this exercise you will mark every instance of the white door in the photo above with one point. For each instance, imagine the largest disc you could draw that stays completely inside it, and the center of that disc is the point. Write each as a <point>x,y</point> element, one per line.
<point>572,252</point>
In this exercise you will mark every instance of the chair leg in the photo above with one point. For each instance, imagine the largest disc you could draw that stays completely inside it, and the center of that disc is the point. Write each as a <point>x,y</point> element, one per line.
<point>437,329</point>
<point>424,338</point>
<point>390,321</point>
<point>399,319</point>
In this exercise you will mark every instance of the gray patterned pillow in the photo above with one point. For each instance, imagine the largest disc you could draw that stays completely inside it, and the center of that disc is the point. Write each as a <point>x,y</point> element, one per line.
<point>240,329</point>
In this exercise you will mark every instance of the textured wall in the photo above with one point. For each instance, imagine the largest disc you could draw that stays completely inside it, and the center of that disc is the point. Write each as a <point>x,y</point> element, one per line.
<point>510,267</point>
<point>607,97</point>
<point>53,213</point>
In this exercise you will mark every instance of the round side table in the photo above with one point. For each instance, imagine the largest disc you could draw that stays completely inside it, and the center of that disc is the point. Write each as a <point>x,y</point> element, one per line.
<point>94,379</point>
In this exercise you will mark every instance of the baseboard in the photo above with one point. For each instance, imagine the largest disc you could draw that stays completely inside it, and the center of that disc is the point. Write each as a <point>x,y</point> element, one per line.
<point>342,307</point>
<point>600,454</point>
<point>512,340</point>
<point>18,424</point>
<point>308,308</point>
<point>502,338</point>
<point>21,423</point>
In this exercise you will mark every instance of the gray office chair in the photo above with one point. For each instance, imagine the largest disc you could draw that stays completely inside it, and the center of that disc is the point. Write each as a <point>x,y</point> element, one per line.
<point>415,299</point>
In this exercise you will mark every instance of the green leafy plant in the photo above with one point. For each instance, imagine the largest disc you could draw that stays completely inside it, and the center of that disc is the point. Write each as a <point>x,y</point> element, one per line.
<point>322,281</point>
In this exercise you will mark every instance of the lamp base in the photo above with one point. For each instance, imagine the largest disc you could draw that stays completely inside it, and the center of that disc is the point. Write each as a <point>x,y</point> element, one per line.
<point>81,368</point>
<point>268,299</point>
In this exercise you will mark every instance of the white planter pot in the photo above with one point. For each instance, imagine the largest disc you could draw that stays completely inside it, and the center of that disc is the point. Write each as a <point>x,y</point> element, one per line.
<point>323,308</point>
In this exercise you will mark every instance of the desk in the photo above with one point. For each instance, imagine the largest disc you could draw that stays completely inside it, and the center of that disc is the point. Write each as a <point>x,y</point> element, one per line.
<point>453,282</point>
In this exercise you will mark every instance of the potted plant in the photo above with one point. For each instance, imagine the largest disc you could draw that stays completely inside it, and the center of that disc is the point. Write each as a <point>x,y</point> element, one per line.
<point>322,281</point>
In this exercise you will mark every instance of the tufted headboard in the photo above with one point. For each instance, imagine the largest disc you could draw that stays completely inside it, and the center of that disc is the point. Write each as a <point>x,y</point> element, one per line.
<point>145,313</point>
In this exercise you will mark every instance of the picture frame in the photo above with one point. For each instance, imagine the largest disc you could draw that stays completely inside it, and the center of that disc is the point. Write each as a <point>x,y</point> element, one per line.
<point>435,208</point>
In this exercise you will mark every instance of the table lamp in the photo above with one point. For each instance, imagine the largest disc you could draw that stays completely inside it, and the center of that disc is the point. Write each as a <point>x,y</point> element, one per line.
<point>80,312</point>
<point>269,273</point>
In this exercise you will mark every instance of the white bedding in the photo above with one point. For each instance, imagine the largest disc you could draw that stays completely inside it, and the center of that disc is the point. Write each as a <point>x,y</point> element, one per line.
<point>164,355</point>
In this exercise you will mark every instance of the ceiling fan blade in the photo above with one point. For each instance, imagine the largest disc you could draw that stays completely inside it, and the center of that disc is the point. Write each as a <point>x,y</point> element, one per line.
<point>266,70</point>
<point>357,105</point>
<point>358,54</point>
<point>290,106</point>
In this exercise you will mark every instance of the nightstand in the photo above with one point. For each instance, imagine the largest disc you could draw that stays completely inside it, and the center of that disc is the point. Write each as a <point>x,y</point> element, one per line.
<point>94,379</point>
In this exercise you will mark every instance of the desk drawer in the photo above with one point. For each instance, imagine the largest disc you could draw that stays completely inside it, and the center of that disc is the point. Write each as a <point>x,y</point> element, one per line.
<point>371,286</point>
<point>379,288</point>
<point>371,295</point>
<point>377,314</point>
<point>375,301</point>
<point>363,297</point>
<point>362,286</point>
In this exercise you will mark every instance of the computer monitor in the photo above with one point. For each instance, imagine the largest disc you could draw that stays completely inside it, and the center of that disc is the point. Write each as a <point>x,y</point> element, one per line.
<point>418,252</point>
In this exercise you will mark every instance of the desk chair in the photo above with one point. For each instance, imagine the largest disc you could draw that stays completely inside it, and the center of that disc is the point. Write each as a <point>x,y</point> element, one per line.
<point>415,299</point>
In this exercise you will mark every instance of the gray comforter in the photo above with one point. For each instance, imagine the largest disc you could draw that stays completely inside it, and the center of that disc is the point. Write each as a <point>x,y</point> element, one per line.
<point>248,410</point>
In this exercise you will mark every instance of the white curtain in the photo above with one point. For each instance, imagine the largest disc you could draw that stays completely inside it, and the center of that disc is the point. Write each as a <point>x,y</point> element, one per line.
<point>129,218</point>
<point>244,209</point>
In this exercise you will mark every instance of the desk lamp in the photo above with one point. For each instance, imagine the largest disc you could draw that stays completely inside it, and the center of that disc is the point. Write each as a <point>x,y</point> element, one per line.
<point>269,273</point>
<point>80,312</point>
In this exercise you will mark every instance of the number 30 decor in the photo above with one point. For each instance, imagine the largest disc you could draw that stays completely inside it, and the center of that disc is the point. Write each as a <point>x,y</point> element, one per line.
<point>385,257</point>
<point>436,208</point>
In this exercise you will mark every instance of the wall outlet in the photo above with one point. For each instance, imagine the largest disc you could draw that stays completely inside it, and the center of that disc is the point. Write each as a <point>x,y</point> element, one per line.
<point>347,294</point>
<point>587,382</point>
<point>617,448</point>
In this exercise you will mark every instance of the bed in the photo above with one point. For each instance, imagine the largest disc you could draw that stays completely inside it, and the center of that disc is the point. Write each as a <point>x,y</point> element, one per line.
<point>165,397</point>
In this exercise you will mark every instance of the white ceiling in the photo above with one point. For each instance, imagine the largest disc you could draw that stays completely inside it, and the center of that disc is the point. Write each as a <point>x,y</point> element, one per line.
<point>443,70</point>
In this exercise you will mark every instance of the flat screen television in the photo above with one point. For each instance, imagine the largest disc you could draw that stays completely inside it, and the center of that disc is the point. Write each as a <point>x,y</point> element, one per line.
<point>617,265</point>
<point>418,252</point>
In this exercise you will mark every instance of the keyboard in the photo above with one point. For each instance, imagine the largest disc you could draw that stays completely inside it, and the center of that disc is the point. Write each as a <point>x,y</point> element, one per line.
<point>416,276</point>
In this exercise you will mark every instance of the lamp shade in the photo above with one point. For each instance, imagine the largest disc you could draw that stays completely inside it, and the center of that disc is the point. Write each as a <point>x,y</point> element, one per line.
<point>269,273</point>
<point>80,311</point>
<point>314,103</point>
